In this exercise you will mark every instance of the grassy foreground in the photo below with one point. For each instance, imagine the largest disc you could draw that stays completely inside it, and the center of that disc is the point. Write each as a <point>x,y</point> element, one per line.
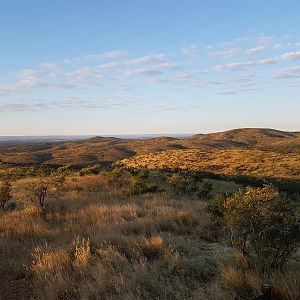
<point>94,240</point>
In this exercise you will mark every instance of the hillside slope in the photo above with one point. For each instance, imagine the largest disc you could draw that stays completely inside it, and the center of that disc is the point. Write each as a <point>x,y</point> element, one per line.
<point>228,162</point>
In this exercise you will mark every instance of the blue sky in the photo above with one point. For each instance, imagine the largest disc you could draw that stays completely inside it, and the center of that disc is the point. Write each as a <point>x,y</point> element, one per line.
<point>137,66</point>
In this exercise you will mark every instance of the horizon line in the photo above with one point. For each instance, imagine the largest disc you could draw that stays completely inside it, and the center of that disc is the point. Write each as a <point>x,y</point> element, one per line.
<point>138,134</point>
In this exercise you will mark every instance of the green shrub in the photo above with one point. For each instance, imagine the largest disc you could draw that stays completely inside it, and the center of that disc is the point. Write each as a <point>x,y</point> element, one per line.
<point>90,170</point>
<point>261,224</point>
<point>137,187</point>
<point>64,170</point>
<point>182,182</point>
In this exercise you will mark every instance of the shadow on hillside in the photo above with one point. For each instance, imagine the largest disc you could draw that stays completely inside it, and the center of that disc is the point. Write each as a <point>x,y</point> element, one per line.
<point>288,185</point>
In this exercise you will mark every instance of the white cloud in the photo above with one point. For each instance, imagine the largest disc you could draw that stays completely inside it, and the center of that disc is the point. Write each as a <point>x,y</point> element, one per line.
<point>255,50</point>
<point>145,60</point>
<point>83,72</point>
<point>56,85</point>
<point>234,52</point>
<point>107,54</point>
<point>247,75</point>
<point>233,66</point>
<point>291,56</point>
<point>109,65</point>
<point>181,76</point>
<point>177,78</point>
<point>151,70</point>
<point>268,61</point>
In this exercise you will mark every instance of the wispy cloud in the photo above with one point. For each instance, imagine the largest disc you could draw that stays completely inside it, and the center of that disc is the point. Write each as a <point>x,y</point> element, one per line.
<point>145,60</point>
<point>291,56</point>
<point>268,61</point>
<point>254,50</point>
<point>287,73</point>
<point>109,65</point>
<point>151,70</point>
<point>181,77</point>
<point>236,52</point>
<point>228,53</point>
<point>233,66</point>
<point>237,91</point>
<point>204,84</point>
<point>107,54</point>
<point>193,67</point>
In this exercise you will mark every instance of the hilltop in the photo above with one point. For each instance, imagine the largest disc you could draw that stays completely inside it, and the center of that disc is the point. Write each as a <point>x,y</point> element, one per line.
<point>262,138</point>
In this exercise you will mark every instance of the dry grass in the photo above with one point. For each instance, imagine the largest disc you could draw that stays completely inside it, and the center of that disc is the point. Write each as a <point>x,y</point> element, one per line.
<point>97,243</point>
<point>285,284</point>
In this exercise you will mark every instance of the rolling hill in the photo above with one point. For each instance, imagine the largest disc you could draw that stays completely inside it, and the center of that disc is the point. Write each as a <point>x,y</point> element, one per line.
<point>110,149</point>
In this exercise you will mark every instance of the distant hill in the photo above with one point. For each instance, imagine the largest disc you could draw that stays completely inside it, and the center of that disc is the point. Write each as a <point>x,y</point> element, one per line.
<point>261,138</point>
<point>247,134</point>
<point>109,149</point>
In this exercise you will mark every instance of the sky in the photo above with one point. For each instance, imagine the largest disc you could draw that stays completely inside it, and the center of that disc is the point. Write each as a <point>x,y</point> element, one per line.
<point>148,66</point>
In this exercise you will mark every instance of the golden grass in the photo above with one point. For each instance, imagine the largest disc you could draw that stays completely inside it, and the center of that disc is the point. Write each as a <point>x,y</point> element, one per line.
<point>96,243</point>
<point>232,162</point>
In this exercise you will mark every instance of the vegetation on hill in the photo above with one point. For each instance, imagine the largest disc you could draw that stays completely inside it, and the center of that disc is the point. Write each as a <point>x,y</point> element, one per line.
<point>107,150</point>
<point>228,162</point>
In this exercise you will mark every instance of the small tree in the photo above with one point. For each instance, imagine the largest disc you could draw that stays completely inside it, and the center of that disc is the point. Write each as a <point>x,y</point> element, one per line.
<point>38,190</point>
<point>262,225</point>
<point>5,193</point>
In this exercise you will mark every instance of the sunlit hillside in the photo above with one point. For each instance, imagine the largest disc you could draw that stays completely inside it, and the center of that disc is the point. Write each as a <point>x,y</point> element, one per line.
<point>229,162</point>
